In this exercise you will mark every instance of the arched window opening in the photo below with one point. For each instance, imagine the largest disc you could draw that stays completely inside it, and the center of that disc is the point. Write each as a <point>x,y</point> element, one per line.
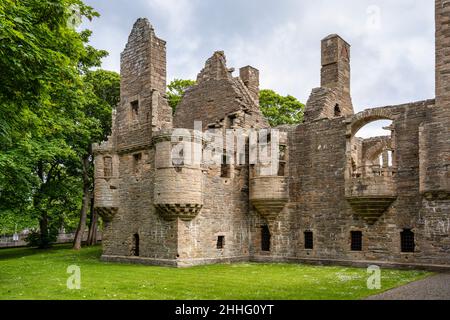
<point>372,150</point>
<point>374,129</point>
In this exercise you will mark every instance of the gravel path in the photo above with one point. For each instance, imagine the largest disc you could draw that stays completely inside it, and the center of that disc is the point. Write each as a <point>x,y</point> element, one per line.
<point>432,288</point>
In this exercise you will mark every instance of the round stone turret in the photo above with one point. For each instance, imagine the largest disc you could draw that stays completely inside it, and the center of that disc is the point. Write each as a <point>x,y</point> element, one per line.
<point>106,191</point>
<point>178,189</point>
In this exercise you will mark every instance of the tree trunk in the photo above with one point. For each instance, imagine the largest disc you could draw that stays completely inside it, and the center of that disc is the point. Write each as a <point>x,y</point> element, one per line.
<point>44,241</point>
<point>43,231</point>
<point>85,205</point>
<point>92,235</point>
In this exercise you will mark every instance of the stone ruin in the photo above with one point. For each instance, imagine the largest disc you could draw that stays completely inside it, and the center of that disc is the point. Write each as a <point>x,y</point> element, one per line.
<point>335,198</point>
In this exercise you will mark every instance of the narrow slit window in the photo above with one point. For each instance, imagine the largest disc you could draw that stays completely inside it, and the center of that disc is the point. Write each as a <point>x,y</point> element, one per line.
<point>225,169</point>
<point>309,240</point>
<point>265,238</point>
<point>135,247</point>
<point>137,163</point>
<point>281,169</point>
<point>135,109</point>
<point>220,242</point>
<point>107,167</point>
<point>407,241</point>
<point>356,237</point>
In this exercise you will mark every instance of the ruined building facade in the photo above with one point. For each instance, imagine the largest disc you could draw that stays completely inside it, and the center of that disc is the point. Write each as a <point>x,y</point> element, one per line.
<point>335,198</point>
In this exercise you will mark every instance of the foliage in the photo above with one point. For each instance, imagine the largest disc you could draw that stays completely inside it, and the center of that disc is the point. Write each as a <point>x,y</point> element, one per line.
<point>280,110</point>
<point>46,108</point>
<point>35,239</point>
<point>11,222</point>
<point>30,274</point>
<point>176,90</point>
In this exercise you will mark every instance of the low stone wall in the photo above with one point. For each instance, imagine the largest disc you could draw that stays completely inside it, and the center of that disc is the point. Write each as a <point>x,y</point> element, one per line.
<point>8,242</point>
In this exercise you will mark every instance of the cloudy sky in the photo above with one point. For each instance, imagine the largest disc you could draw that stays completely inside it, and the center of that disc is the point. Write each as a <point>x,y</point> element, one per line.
<point>392,55</point>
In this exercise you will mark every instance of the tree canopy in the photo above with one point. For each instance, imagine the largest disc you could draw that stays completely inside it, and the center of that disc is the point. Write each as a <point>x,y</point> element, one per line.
<point>51,109</point>
<point>279,109</point>
<point>176,90</point>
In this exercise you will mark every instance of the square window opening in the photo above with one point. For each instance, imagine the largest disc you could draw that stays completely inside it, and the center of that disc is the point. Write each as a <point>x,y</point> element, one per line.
<point>356,237</point>
<point>407,241</point>
<point>220,242</point>
<point>309,240</point>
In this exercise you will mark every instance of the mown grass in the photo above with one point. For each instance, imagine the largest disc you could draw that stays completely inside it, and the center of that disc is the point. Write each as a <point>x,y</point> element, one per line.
<point>33,274</point>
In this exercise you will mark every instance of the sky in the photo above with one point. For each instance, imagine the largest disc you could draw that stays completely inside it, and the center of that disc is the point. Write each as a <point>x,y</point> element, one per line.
<point>392,53</point>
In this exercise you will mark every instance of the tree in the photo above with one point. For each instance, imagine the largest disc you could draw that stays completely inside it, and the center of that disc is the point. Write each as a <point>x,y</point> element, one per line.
<point>103,91</point>
<point>280,110</point>
<point>42,98</point>
<point>176,90</point>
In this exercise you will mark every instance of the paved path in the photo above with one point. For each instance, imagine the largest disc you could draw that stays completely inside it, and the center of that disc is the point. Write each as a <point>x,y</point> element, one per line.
<point>432,288</point>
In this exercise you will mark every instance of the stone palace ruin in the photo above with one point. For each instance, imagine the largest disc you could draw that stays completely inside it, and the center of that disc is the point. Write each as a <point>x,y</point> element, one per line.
<point>334,198</point>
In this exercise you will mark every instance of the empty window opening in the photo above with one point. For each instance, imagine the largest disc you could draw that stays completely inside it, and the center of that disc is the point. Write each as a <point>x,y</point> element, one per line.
<point>282,161</point>
<point>390,157</point>
<point>309,240</point>
<point>267,137</point>
<point>137,162</point>
<point>407,241</point>
<point>265,238</point>
<point>337,111</point>
<point>178,158</point>
<point>356,237</point>
<point>107,166</point>
<point>135,109</point>
<point>225,169</point>
<point>220,242</point>
<point>135,246</point>
<point>281,169</point>
<point>375,129</point>
<point>232,120</point>
<point>386,159</point>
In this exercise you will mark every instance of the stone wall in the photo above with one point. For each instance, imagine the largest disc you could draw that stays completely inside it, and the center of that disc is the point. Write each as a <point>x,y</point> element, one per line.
<point>220,99</point>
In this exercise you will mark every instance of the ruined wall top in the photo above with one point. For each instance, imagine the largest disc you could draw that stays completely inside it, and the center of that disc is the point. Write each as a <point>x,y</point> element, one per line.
<point>219,100</point>
<point>215,69</point>
<point>143,108</point>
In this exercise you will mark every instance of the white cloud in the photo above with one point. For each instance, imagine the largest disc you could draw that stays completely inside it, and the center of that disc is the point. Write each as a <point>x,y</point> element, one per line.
<point>392,41</point>
<point>176,13</point>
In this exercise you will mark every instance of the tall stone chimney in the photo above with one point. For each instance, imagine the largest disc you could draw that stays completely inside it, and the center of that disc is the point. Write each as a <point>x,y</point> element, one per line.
<point>333,98</point>
<point>443,53</point>
<point>335,72</point>
<point>143,108</point>
<point>435,133</point>
<point>250,77</point>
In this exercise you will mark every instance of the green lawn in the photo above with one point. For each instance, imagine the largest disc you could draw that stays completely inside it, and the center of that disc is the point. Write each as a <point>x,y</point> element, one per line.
<point>34,274</point>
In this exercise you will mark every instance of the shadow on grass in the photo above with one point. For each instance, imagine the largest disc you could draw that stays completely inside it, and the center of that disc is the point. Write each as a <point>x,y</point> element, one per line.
<point>14,253</point>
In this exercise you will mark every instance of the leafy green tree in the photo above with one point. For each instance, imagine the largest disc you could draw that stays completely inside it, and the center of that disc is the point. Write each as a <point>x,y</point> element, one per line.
<point>102,89</point>
<point>43,124</point>
<point>280,110</point>
<point>176,90</point>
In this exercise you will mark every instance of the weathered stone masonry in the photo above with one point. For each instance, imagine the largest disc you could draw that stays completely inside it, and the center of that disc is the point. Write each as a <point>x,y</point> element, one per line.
<point>335,198</point>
